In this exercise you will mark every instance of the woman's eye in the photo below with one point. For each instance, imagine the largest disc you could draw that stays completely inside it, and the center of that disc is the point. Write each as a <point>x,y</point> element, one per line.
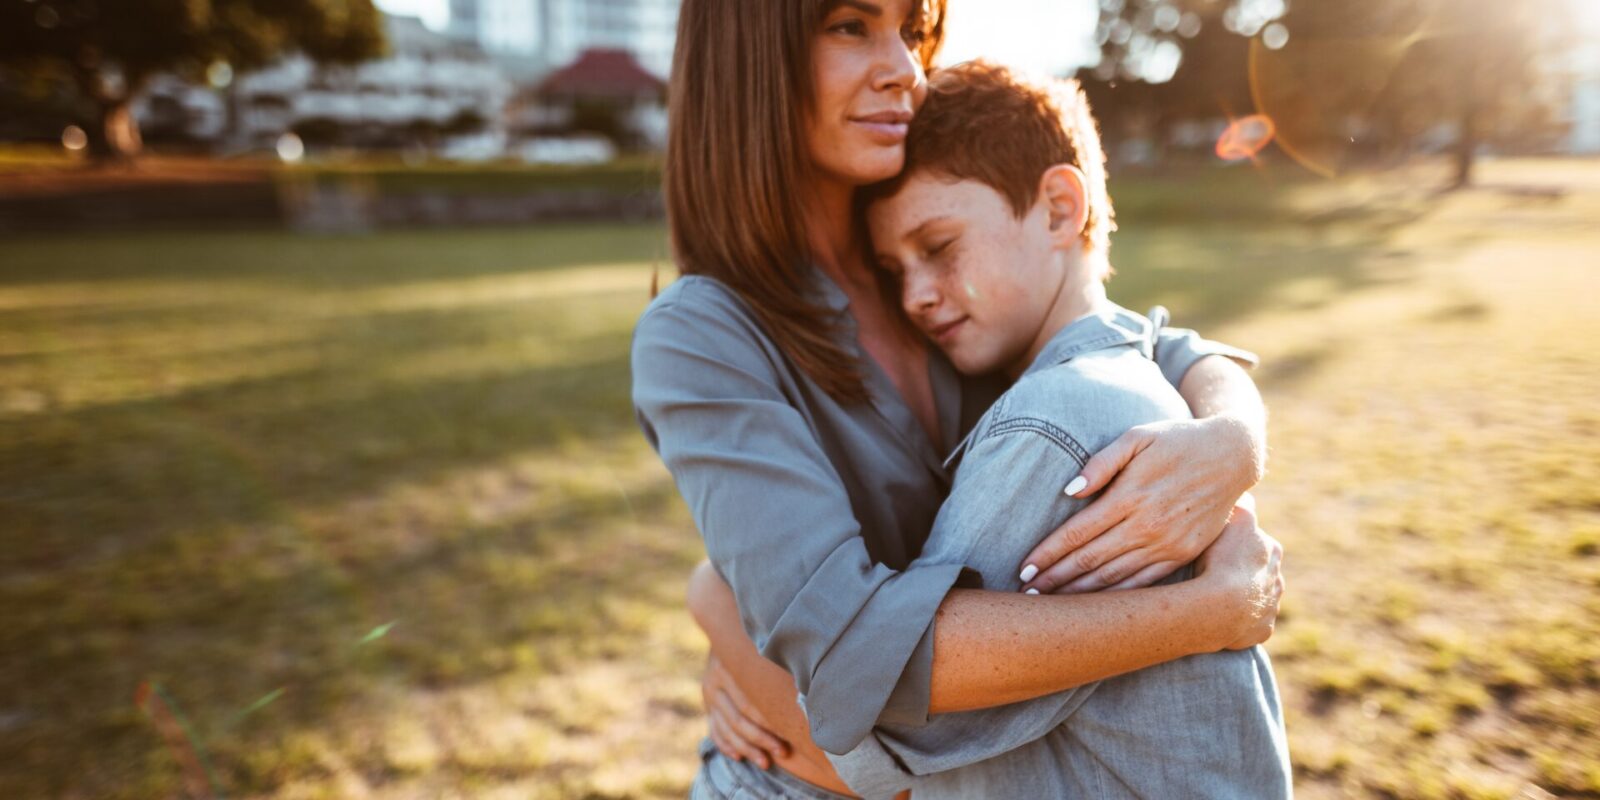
<point>852,27</point>
<point>914,36</point>
<point>940,247</point>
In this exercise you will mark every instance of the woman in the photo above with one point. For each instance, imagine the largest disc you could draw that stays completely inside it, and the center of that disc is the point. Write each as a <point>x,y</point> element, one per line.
<point>805,423</point>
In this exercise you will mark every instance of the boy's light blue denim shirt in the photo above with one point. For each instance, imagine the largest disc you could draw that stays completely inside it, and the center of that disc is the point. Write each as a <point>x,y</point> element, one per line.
<point>811,509</point>
<point>1203,726</point>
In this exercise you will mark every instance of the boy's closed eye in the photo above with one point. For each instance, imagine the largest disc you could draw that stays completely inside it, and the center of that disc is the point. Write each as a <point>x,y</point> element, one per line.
<point>939,247</point>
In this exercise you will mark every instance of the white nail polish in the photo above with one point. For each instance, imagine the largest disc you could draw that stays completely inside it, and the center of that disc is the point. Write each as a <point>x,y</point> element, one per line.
<point>1076,486</point>
<point>1028,572</point>
<point>1031,591</point>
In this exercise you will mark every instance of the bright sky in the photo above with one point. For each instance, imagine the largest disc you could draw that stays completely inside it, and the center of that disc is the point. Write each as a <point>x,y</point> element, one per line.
<point>1048,36</point>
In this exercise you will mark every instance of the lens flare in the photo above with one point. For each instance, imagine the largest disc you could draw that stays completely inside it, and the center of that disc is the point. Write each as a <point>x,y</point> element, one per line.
<point>219,74</point>
<point>1318,87</point>
<point>291,149</point>
<point>74,138</point>
<point>1246,137</point>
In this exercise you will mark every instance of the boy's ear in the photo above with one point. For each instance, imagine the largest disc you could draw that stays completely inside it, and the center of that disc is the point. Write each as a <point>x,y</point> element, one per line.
<point>1061,189</point>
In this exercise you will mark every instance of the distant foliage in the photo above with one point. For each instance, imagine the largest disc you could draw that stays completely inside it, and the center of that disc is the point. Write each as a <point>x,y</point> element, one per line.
<point>1341,78</point>
<point>108,49</point>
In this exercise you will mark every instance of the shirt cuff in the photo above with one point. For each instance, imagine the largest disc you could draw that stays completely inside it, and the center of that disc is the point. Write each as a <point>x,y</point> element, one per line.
<point>908,704</point>
<point>871,771</point>
<point>868,665</point>
<point>1177,349</point>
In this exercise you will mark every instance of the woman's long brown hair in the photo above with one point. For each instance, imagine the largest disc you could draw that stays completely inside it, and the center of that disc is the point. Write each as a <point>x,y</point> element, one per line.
<point>737,162</point>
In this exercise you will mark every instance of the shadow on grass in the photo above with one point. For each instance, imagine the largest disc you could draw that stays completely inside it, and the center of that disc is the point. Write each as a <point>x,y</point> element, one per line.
<point>1216,245</point>
<point>345,261</point>
<point>206,541</point>
<point>1210,275</point>
<point>241,532</point>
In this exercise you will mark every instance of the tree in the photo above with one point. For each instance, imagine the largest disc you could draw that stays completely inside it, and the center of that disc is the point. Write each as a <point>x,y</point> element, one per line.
<point>1337,75</point>
<point>1400,68</point>
<point>109,49</point>
<point>1210,81</point>
<point>1164,62</point>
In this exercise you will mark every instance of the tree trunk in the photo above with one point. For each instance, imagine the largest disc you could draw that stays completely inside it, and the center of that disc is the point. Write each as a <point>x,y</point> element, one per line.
<point>1466,153</point>
<point>117,137</point>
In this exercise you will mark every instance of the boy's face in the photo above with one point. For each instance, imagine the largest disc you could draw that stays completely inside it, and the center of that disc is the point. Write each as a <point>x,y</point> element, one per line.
<point>974,277</point>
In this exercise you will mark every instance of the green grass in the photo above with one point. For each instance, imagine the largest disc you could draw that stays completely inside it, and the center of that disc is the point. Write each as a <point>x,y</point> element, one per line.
<point>632,174</point>
<point>373,512</point>
<point>624,175</point>
<point>228,457</point>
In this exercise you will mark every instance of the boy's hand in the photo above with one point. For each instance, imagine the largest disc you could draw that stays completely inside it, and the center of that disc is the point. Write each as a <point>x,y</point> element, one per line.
<point>1176,483</point>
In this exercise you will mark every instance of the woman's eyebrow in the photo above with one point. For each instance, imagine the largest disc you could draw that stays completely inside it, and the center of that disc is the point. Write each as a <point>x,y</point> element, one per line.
<point>870,9</point>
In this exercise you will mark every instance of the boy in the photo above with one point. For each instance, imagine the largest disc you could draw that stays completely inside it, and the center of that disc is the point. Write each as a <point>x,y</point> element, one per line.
<point>998,231</point>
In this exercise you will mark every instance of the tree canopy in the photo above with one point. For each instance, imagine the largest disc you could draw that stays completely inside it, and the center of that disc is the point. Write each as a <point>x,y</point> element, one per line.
<point>109,48</point>
<point>1339,76</point>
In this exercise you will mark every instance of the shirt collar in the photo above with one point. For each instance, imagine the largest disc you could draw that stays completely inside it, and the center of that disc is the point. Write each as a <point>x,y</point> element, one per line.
<point>1110,326</point>
<point>827,294</point>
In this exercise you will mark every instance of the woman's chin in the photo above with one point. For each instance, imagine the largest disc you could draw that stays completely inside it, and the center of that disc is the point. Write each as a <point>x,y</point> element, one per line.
<point>873,168</point>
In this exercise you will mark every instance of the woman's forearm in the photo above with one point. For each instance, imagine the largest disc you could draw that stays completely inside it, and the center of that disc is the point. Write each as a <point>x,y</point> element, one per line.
<point>995,648</point>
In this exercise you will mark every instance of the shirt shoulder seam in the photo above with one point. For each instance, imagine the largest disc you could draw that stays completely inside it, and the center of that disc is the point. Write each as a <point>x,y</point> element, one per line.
<point>1045,429</point>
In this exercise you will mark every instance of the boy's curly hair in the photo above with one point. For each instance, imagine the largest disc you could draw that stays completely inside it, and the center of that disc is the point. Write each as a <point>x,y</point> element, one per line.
<point>982,122</point>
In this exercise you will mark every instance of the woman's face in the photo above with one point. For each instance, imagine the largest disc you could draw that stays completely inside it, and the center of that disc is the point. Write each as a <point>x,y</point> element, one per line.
<point>868,81</point>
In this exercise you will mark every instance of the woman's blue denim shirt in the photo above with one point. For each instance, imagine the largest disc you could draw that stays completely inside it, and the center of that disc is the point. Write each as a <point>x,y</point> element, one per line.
<point>813,510</point>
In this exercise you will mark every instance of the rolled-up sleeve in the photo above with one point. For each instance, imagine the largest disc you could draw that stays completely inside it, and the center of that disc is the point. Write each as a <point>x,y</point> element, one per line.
<point>1006,492</point>
<point>1177,349</point>
<point>776,518</point>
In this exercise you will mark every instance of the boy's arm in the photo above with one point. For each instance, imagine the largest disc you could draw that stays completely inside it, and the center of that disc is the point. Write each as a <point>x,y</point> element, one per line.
<point>1214,380</point>
<point>1123,540</point>
<point>1007,490</point>
<point>1218,387</point>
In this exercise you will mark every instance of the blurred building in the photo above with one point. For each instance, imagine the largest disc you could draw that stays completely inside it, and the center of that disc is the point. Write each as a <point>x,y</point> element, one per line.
<point>174,110</point>
<point>536,37</point>
<point>1583,110</point>
<point>431,89</point>
<point>605,92</point>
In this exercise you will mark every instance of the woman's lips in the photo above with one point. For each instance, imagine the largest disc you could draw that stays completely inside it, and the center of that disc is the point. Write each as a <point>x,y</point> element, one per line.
<point>888,127</point>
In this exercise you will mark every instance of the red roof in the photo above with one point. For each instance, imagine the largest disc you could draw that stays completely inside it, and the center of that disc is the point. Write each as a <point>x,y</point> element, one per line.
<point>602,73</point>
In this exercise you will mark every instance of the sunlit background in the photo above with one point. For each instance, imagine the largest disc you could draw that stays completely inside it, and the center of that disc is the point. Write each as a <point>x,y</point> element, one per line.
<point>318,472</point>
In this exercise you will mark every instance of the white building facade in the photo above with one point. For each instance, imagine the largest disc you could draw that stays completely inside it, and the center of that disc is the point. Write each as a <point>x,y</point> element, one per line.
<point>553,33</point>
<point>428,81</point>
<point>1583,110</point>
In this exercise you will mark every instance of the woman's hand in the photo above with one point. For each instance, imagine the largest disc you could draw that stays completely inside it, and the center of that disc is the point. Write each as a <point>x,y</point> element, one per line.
<point>737,727</point>
<point>1246,565</point>
<point>1176,482</point>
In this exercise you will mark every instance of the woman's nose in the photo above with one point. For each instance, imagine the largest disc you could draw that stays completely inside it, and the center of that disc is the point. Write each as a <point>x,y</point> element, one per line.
<point>898,68</point>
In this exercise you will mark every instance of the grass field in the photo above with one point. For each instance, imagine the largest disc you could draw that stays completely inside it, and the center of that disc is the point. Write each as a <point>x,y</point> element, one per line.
<point>293,517</point>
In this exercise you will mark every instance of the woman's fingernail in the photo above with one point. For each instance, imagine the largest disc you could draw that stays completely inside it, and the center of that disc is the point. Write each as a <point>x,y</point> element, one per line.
<point>1076,486</point>
<point>1028,572</point>
<point>1031,591</point>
